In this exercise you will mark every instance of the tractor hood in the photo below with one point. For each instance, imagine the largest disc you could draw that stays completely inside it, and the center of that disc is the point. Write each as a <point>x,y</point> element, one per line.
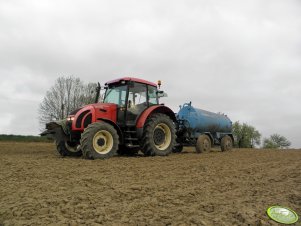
<point>93,113</point>
<point>102,105</point>
<point>75,111</point>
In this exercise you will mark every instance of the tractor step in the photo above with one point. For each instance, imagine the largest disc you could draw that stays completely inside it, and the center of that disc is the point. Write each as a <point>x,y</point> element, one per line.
<point>130,131</point>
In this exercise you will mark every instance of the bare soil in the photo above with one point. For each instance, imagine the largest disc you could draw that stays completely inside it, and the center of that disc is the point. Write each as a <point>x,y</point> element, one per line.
<point>38,187</point>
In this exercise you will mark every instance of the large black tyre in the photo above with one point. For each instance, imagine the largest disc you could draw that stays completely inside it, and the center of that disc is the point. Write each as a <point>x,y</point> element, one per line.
<point>159,135</point>
<point>100,140</point>
<point>64,147</point>
<point>203,144</point>
<point>226,143</point>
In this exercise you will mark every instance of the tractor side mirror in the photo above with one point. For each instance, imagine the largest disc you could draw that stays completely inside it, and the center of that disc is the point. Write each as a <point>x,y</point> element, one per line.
<point>161,94</point>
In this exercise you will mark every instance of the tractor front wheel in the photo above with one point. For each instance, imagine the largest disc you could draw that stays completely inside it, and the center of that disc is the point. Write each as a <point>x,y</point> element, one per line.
<point>64,147</point>
<point>159,135</point>
<point>99,141</point>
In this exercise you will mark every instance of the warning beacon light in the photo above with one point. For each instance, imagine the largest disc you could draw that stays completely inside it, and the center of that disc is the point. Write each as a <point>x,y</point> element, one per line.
<point>159,83</point>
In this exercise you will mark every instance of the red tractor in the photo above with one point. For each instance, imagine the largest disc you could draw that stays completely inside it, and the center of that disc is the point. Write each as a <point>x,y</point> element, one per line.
<point>129,119</point>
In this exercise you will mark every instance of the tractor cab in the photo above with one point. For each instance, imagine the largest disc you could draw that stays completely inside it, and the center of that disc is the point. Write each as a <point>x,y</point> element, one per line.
<point>132,97</point>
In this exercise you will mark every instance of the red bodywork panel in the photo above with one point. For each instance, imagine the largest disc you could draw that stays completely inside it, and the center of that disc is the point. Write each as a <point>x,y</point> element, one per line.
<point>132,79</point>
<point>154,109</point>
<point>96,112</point>
<point>92,113</point>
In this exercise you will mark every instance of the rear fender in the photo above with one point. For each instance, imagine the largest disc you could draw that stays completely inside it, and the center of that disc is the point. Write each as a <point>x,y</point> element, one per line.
<point>152,110</point>
<point>148,112</point>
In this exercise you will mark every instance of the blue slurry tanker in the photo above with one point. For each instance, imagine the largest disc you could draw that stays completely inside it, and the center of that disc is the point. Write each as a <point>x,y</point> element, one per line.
<point>202,129</point>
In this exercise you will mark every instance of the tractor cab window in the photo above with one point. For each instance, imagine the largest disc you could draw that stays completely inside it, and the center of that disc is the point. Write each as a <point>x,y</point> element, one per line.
<point>116,95</point>
<point>137,96</point>
<point>152,95</point>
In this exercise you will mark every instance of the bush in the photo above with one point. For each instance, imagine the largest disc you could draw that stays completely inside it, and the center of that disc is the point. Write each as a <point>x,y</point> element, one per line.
<point>276,141</point>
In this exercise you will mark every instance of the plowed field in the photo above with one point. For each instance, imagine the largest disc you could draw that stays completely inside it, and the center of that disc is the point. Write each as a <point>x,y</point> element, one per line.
<point>37,187</point>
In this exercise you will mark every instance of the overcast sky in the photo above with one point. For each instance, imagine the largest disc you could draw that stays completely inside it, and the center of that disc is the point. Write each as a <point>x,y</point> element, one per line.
<point>242,58</point>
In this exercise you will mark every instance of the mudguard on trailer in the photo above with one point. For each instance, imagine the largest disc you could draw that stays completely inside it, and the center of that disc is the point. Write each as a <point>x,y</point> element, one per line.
<point>155,109</point>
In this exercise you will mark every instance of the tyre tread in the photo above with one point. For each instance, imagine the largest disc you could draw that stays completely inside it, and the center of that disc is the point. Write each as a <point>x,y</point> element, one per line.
<point>146,144</point>
<point>89,132</point>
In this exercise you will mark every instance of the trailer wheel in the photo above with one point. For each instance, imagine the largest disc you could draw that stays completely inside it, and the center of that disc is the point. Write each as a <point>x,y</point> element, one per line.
<point>159,135</point>
<point>226,143</point>
<point>99,141</point>
<point>203,144</point>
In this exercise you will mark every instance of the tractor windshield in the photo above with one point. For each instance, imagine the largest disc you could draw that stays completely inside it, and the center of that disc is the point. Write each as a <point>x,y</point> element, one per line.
<point>116,95</point>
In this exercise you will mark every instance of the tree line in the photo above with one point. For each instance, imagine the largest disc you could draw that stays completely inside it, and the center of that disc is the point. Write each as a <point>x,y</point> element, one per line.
<point>21,138</point>
<point>246,136</point>
<point>70,93</point>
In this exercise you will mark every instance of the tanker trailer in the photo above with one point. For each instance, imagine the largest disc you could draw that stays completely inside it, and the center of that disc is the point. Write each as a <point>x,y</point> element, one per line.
<point>202,129</point>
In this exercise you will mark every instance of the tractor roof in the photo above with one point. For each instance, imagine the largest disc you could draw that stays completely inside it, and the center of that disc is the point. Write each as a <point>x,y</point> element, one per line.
<point>132,79</point>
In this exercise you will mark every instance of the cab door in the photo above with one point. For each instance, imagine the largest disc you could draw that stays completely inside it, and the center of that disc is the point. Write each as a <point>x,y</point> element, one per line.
<point>137,102</point>
<point>121,109</point>
<point>116,94</point>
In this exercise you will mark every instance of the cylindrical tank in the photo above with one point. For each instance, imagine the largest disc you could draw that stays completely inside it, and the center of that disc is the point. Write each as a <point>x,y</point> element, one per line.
<point>199,120</point>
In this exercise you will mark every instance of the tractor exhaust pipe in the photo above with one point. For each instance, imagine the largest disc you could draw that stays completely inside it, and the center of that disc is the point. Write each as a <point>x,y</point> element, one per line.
<point>98,88</point>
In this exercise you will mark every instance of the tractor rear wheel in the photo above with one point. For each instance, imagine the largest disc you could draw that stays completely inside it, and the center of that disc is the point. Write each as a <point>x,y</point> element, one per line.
<point>64,147</point>
<point>203,144</point>
<point>99,141</point>
<point>159,135</point>
<point>226,143</point>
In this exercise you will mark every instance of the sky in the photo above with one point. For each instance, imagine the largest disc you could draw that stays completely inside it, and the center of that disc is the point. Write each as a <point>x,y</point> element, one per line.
<point>242,58</point>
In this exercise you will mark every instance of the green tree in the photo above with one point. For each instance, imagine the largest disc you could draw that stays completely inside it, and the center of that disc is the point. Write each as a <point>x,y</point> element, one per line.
<point>66,95</point>
<point>276,141</point>
<point>245,136</point>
